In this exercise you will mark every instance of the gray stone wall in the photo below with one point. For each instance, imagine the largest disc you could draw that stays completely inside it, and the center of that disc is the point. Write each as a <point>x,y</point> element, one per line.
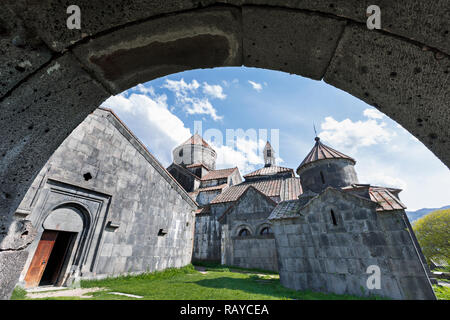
<point>315,254</point>
<point>206,197</point>
<point>135,197</point>
<point>257,252</point>
<point>250,211</point>
<point>206,238</point>
<point>336,173</point>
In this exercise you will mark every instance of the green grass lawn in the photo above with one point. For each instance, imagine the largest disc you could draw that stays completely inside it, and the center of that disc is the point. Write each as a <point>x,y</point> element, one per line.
<point>219,283</point>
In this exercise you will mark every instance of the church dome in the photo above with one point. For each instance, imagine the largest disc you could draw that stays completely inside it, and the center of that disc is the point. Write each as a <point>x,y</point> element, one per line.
<point>195,150</point>
<point>324,167</point>
<point>322,152</point>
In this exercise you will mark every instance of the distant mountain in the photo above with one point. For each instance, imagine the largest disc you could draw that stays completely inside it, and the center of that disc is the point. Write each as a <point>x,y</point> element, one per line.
<point>414,215</point>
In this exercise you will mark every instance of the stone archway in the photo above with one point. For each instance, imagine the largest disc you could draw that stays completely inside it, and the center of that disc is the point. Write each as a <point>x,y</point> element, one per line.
<point>55,77</point>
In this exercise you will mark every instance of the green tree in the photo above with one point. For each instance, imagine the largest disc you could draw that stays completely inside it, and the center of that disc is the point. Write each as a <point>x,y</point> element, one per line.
<point>433,233</point>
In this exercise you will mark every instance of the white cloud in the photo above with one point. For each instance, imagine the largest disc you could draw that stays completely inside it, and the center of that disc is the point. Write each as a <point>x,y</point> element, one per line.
<point>350,135</point>
<point>150,119</point>
<point>246,154</point>
<point>214,91</point>
<point>257,86</point>
<point>200,106</point>
<point>181,87</point>
<point>373,114</point>
<point>185,96</point>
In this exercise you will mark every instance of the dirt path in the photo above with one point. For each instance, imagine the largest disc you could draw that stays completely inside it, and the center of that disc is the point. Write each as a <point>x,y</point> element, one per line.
<point>78,292</point>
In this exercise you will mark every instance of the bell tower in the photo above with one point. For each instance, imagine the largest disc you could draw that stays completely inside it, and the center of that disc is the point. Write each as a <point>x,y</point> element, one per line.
<point>269,155</point>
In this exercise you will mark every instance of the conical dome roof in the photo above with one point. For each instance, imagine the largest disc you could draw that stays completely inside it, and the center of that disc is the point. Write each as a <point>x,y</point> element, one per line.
<point>322,152</point>
<point>196,139</point>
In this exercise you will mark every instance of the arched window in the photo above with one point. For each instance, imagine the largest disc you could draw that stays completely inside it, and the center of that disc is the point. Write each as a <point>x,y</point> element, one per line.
<point>333,217</point>
<point>180,153</point>
<point>265,231</point>
<point>244,233</point>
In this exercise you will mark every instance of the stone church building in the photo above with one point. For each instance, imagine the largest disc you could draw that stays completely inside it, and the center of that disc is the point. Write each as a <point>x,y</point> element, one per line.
<point>338,231</point>
<point>102,206</point>
<point>231,224</point>
<point>321,231</point>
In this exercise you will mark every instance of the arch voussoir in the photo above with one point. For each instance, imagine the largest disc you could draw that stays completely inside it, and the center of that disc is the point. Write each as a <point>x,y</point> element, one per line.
<point>401,79</point>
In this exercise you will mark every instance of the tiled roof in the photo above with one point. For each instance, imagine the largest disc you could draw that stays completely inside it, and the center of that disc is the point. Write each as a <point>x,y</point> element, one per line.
<point>218,174</point>
<point>322,152</point>
<point>196,139</point>
<point>268,171</point>
<point>218,187</point>
<point>194,165</point>
<point>383,196</point>
<point>288,209</point>
<point>286,189</point>
<point>230,208</point>
<point>386,200</point>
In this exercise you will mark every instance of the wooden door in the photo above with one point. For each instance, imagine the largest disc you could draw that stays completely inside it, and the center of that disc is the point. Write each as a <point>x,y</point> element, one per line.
<point>40,259</point>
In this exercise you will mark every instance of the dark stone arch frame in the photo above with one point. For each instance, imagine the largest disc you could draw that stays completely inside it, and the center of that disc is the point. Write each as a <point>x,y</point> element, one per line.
<point>413,47</point>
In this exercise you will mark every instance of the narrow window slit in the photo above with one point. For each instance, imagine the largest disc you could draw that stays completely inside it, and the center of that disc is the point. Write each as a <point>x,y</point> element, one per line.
<point>333,217</point>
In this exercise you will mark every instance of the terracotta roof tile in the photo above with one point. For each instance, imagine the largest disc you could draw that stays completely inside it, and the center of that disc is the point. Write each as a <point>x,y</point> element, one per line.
<point>212,188</point>
<point>196,139</point>
<point>284,189</point>
<point>385,197</point>
<point>268,171</point>
<point>219,174</point>
<point>386,200</point>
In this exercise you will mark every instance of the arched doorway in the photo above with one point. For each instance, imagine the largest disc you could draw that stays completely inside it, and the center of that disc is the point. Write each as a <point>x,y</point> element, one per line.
<point>63,229</point>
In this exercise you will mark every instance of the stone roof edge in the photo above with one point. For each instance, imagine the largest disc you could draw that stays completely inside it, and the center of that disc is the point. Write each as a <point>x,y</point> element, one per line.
<point>289,169</point>
<point>331,189</point>
<point>239,199</point>
<point>141,148</point>
<point>211,171</point>
<point>328,189</point>
<point>173,164</point>
<point>304,166</point>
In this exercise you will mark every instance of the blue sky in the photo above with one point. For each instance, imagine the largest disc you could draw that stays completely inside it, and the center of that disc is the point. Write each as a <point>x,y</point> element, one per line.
<point>162,114</point>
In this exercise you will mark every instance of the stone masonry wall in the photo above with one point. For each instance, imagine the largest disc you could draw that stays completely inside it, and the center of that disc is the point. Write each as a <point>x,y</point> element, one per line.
<point>315,254</point>
<point>254,250</point>
<point>143,199</point>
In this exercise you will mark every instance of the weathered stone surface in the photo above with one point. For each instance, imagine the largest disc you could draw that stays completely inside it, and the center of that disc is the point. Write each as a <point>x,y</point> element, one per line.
<point>19,236</point>
<point>11,264</point>
<point>21,52</point>
<point>36,118</point>
<point>202,39</point>
<point>300,43</point>
<point>49,17</point>
<point>402,80</point>
<point>127,200</point>
<point>338,260</point>
<point>423,21</point>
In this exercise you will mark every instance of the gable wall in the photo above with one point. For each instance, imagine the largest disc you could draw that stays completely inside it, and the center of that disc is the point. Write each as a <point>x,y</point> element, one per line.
<point>253,251</point>
<point>314,254</point>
